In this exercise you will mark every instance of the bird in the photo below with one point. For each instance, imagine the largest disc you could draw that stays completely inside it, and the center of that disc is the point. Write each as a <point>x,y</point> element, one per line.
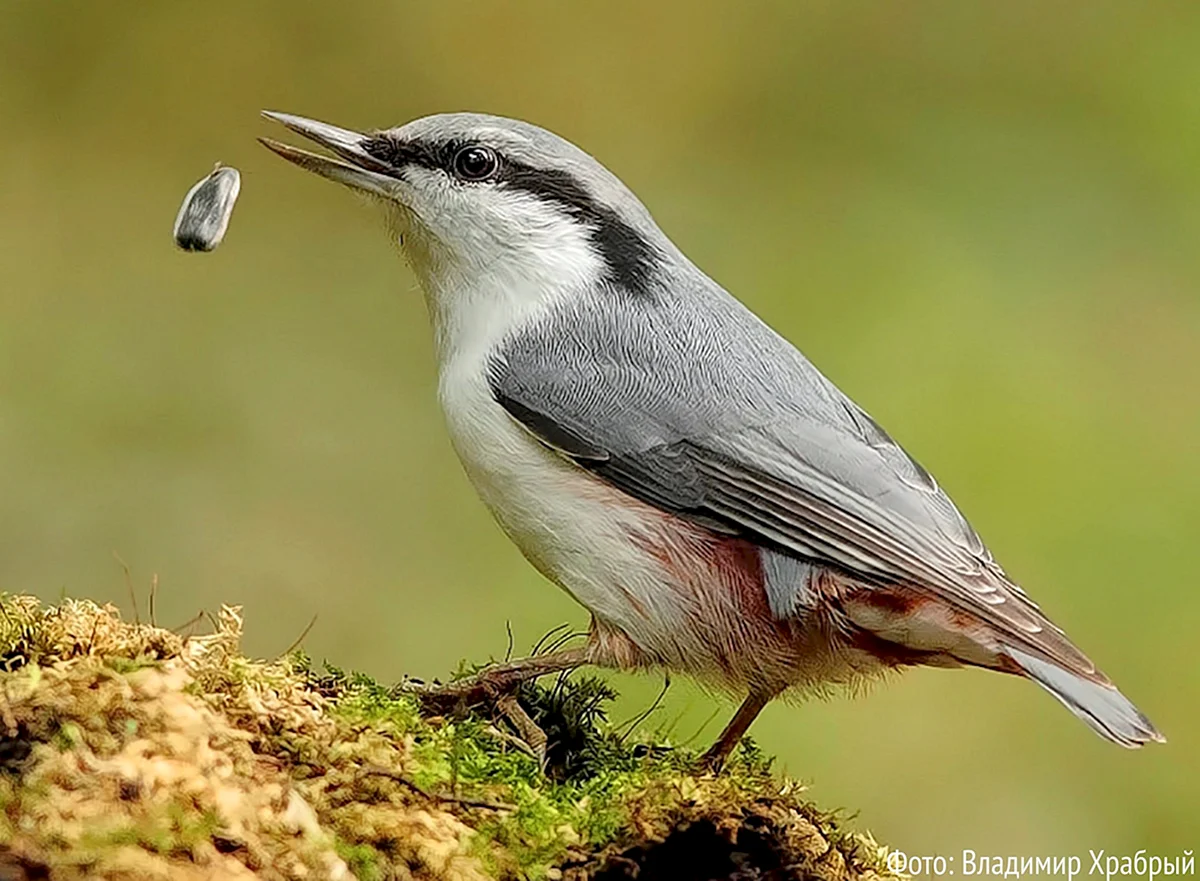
<point>655,449</point>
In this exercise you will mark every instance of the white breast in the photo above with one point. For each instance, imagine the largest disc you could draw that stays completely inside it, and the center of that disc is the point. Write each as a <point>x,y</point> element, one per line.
<point>571,526</point>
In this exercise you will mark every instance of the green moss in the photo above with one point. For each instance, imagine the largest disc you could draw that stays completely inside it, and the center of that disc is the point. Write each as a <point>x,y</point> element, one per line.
<point>119,664</point>
<point>288,770</point>
<point>173,829</point>
<point>362,859</point>
<point>596,786</point>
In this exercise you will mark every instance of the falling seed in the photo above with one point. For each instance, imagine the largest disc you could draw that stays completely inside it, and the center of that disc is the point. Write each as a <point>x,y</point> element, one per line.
<point>204,215</point>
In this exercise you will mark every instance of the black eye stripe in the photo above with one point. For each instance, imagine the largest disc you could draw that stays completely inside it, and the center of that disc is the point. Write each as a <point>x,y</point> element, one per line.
<point>629,256</point>
<point>397,153</point>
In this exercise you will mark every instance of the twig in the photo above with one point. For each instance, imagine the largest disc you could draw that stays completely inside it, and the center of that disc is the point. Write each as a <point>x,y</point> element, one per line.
<point>190,622</point>
<point>299,639</point>
<point>563,640</point>
<point>537,647</point>
<point>129,584</point>
<point>560,683</point>
<point>92,638</point>
<point>153,594</point>
<point>637,720</point>
<point>508,652</point>
<point>380,771</point>
<point>700,730</point>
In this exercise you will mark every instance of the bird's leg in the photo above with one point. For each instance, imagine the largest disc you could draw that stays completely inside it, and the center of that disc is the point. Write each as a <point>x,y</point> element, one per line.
<point>715,758</point>
<point>496,686</point>
<point>492,682</point>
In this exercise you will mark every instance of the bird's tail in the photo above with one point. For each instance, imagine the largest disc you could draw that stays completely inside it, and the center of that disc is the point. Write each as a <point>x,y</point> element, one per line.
<point>1106,711</point>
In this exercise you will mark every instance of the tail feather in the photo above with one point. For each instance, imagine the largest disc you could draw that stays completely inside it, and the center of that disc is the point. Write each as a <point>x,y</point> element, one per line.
<point>1105,710</point>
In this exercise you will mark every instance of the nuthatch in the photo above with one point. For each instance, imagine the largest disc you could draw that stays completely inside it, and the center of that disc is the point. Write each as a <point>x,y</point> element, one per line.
<point>660,453</point>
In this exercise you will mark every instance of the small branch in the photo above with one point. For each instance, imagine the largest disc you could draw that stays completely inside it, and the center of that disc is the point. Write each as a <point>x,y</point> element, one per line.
<point>550,634</point>
<point>153,594</point>
<point>299,639</point>
<point>188,624</point>
<point>129,584</point>
<point>630,726</point>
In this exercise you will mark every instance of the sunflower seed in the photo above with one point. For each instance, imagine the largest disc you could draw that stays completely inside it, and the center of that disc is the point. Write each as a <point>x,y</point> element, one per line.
<point>204,215</point>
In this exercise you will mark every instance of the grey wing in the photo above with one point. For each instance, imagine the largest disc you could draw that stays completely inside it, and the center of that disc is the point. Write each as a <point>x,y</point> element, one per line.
<point>713,416</point>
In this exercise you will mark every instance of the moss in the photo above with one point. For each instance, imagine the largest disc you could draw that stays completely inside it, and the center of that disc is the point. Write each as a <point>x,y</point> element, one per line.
<point>127,751</point>
<point>362,860</point>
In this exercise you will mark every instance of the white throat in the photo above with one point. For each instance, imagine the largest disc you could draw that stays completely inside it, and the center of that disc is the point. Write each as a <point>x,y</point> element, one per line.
<point>480,288</point>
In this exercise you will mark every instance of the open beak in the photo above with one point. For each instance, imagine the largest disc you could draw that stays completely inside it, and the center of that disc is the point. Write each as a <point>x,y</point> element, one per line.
<point>360,170</point>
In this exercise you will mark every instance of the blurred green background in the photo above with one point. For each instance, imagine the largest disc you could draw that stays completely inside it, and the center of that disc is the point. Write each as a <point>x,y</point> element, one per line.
<point>982,220</point>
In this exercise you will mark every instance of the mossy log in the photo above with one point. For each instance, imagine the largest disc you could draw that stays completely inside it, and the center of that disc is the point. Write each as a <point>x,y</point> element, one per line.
<point>132,752</point>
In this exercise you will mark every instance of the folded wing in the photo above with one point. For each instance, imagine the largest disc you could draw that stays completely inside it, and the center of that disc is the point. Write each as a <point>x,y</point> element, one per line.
<point>719,419</point>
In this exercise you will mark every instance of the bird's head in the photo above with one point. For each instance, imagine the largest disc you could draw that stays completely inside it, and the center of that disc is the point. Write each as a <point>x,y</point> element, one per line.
<point>480,200</point>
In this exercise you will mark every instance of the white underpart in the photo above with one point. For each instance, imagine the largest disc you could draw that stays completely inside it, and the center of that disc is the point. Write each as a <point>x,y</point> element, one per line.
<point>572,527</point>
<point>931,629</point>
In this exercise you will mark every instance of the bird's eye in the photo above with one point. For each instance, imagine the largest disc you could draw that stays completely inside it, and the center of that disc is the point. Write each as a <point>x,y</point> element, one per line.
<point>475,163</point>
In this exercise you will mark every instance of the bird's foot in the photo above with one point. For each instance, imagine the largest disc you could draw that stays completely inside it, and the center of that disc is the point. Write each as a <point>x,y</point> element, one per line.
<point>527,730</point>
<point>714,760</point>
<point>496,687</point>
<point>491,683</point>
<point>715,757</point>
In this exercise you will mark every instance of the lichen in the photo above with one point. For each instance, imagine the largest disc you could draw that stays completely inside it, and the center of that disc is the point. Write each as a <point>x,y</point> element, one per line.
<point>131,752</point>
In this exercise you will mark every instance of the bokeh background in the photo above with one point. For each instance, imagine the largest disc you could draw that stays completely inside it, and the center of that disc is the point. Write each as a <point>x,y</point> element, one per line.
<point>982,220</point>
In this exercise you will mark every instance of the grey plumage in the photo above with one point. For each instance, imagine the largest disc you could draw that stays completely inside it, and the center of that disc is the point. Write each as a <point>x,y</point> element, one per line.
<point>1104,709</point>
<point>713,415</point>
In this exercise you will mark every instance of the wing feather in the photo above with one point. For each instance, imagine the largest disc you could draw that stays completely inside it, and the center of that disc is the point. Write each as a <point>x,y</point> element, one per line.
<point>777,455</point>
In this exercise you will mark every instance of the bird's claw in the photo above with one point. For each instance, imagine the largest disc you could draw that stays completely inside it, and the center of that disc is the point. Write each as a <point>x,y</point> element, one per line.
<point>528,730</point>
<point>713,760</point>
<point>485,689</point>
<point>463,694</point>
